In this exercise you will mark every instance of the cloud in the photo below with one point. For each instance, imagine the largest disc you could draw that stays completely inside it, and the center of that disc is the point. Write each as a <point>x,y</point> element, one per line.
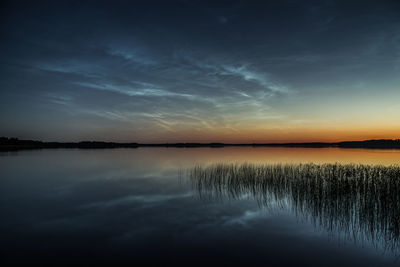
<point>253,76</point>
<point>210,95</point>
<point>79,67</point>
<point>132,91</point>
<point>131,55</point>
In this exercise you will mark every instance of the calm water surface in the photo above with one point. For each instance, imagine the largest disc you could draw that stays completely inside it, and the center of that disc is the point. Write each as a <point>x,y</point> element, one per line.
<point>134,206</point>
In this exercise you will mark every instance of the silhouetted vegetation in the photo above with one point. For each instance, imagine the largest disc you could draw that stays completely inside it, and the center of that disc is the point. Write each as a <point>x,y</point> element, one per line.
<point>384,143</point>
<point>362,201</point>
<point>16,144</point>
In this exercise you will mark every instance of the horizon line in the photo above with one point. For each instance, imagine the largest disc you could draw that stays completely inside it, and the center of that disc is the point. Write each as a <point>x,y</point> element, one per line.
<point>194,142</point>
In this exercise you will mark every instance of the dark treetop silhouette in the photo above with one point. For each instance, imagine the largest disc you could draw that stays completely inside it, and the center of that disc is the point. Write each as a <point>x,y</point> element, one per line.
<point>16,144</point>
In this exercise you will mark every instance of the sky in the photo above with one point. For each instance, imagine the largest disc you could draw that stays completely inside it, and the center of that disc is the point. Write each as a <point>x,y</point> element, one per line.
<point>200,71</point>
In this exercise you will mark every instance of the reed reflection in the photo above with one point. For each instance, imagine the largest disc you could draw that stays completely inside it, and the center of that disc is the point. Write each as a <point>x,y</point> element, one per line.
<point>361,202</point>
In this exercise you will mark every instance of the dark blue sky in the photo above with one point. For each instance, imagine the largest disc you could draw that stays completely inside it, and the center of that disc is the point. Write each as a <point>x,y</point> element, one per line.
<point>155,71</point>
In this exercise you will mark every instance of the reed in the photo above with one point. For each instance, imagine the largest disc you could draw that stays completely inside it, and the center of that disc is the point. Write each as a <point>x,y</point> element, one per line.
<point>361,200</point>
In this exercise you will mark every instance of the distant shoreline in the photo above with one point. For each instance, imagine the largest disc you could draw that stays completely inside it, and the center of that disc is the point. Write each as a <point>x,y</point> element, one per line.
<point>10,144</point>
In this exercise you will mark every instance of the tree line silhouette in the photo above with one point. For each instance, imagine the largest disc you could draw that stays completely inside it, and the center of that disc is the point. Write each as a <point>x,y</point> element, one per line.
<point>17,144</point>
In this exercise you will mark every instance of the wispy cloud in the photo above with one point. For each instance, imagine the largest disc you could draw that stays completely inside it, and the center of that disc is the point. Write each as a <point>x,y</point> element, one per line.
<point>262,79</point>
<point>132,55</point>
<point>61,99</point>
<point>131,90</point>
<point>79,67</point>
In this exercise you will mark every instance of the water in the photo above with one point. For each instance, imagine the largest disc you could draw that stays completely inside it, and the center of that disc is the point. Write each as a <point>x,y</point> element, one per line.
<point>135,206</point>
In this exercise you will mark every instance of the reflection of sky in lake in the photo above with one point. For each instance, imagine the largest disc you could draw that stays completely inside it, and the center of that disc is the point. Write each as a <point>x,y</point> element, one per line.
<point>129,205</point>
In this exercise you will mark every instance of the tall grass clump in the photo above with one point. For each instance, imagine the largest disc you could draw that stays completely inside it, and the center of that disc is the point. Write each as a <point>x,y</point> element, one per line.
<point>362,200</point>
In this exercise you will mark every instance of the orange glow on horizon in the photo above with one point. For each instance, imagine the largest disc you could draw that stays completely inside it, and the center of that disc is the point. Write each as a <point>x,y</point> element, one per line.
<point>274,135</point>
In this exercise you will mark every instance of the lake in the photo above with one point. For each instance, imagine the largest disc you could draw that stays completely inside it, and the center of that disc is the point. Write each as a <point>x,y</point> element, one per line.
<point>137,206</point>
